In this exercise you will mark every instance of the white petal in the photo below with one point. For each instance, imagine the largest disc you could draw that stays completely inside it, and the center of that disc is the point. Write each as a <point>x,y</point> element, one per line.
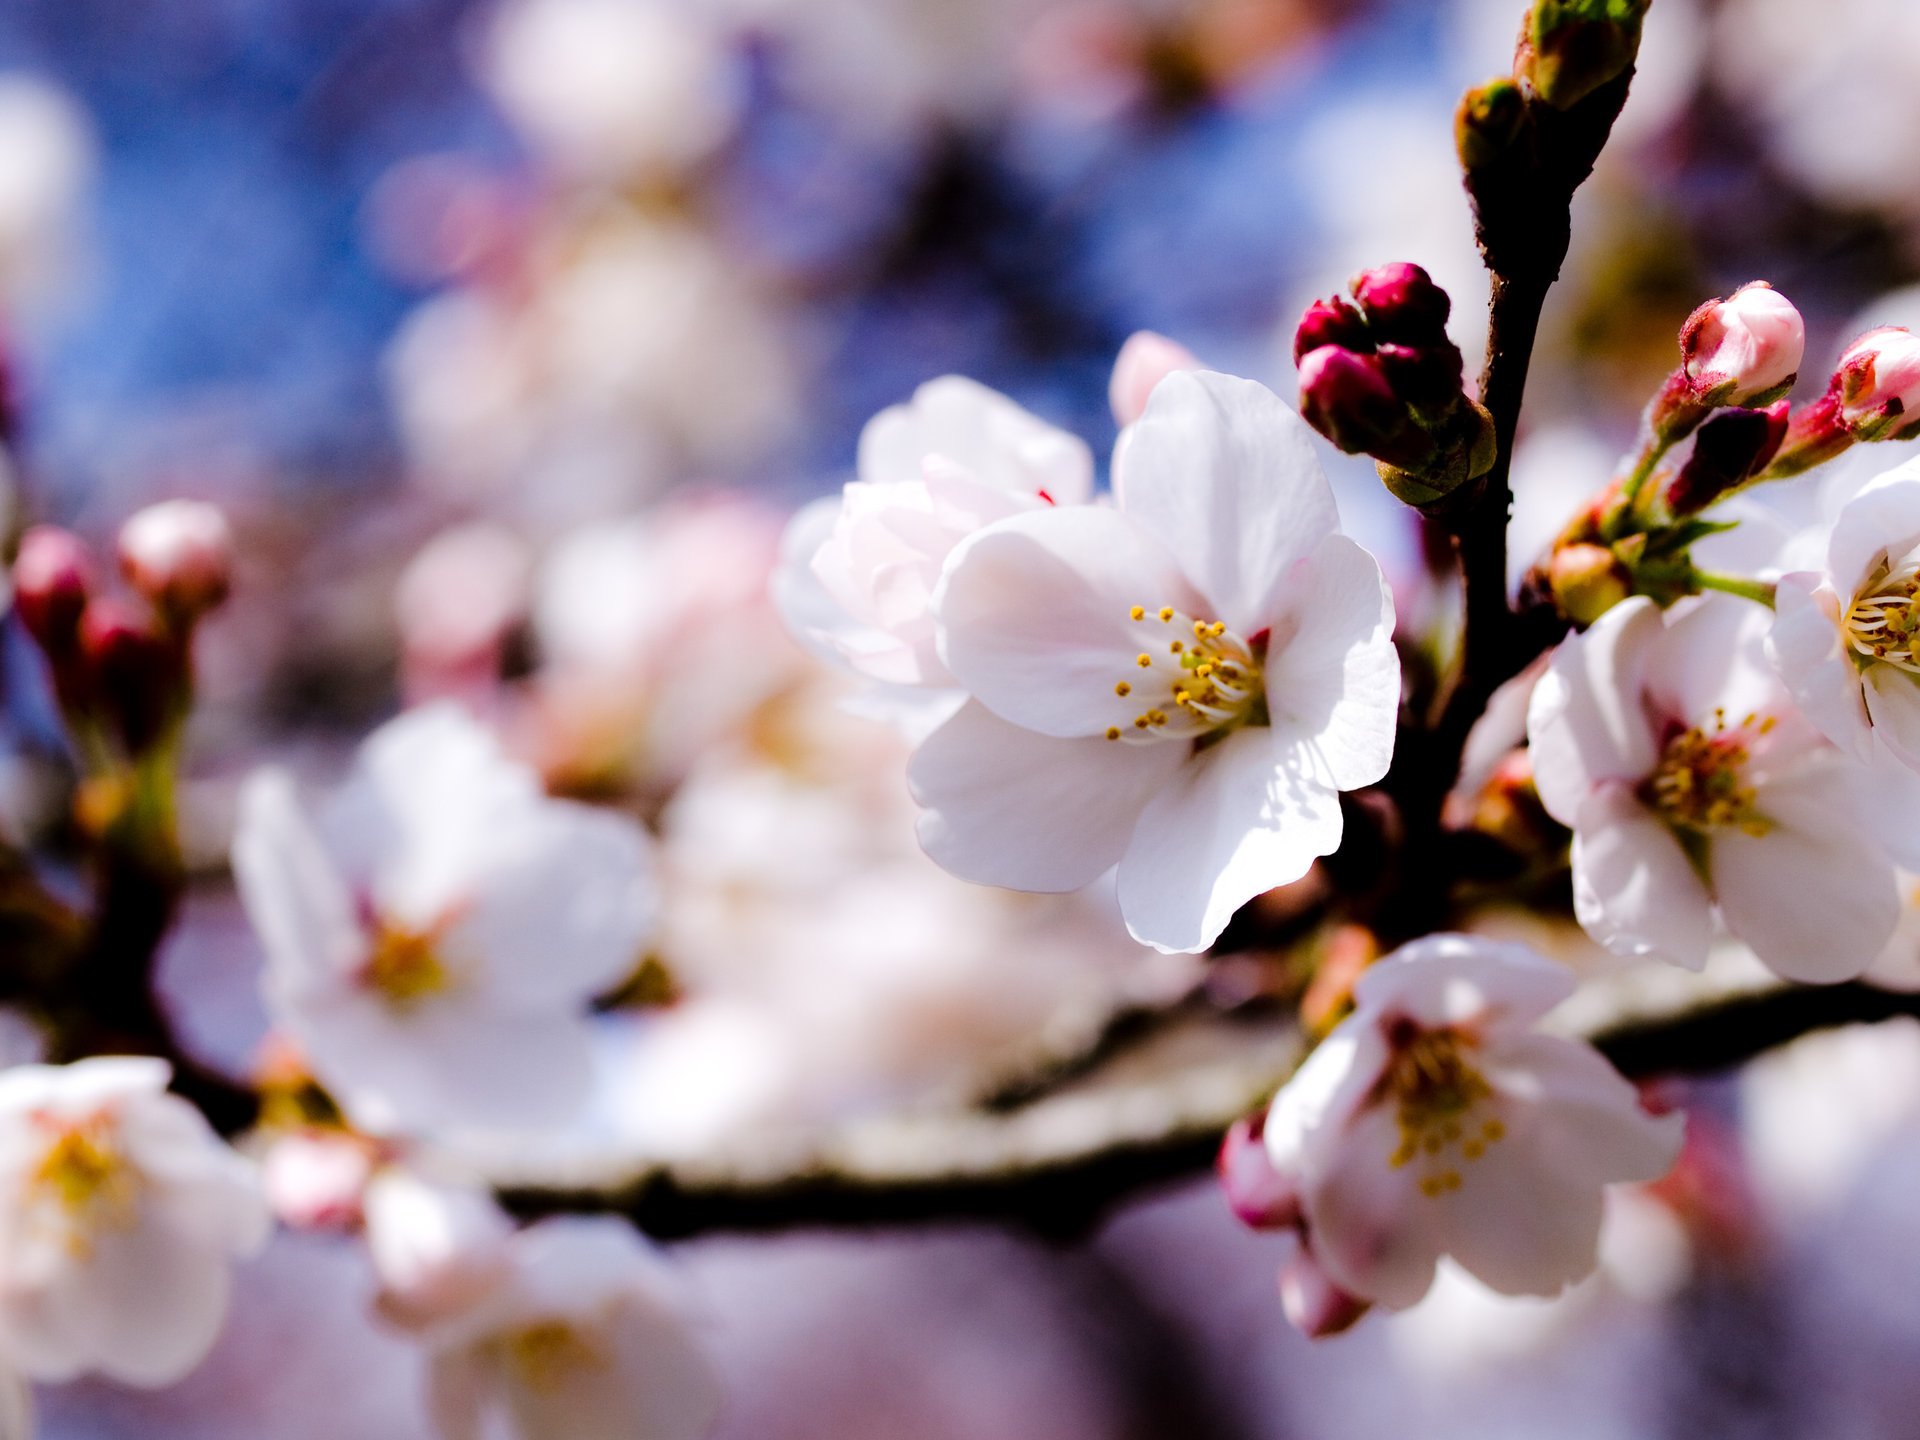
<point>1035,616</point>
<point>1815,899</point>
<point>1442,980</point>
<point>1806,648</point>
<point>1884,517</point>
<point>564,908</point>
<point>1332,673</point>
<point>1226,476</point>
<point>295,897</point>
<point>1634,890</point>
<point>1005,806</point>
<point>981,430</point>
<point>1375,1234</point>
<point>1589,1124</point>
<point>1231,823</point>
<point>1713,658</point>
<point>1893,703</point>
<point>1585,722</point>
<point>148,1304</point>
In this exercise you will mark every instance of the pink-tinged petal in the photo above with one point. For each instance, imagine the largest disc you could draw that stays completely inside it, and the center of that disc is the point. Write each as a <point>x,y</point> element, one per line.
<point>1314,1305</point>
<point>1883,518</point>
<point>1878,800</point>
<point>1332,673</point>
<point>1259,1194</point>
<point>1373,1231</point>
<point>1310,1115</point>
<point>964,423</point>
<point>1585,723</point>
<point>1005,806</point>
<point>1144,361</point>
<point>1231,823</point>
<point>1806,649</point>
<point>1443,980</point>
<point>1813,897</point>
<point>1036,617</point>
<point>1226,475</point>
<point>1711,659</point>
<point>1634,890</point>
<point>1893,704</point>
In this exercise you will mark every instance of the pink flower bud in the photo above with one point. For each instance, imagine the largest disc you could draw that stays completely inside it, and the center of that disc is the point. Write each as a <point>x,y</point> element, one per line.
<point>1330,322</point>
<point>1257,1193</point>
<point>52,578</point>
<point>1879,383</point>
<point>1144,361</point>
<point>1748,346</point>
<point>1402,304</point>
<point>179,554</point>
<point>1314,1305</point>
<point>1731,448</point>
<point>1347,398</point>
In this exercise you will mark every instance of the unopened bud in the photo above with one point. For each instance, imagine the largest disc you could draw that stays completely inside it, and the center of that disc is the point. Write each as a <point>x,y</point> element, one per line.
<point>135,672</point>
<point>1402,304</point>
<point>1571,48</point>
<point>1144,361</point>
<point>1429,378</point>
<point>1489,125</point>
<point>315,1179</point>
<point>1879,384</point>
<point>1347,398</point>
<point>1315,1305</point>
<point>1587,581</point>
<point>1745,349</point>
<point>1330,322</point>
<point>52,579</point>
<point>1260,1196</point>
<point>179,554</point>
<point>1731,449</point>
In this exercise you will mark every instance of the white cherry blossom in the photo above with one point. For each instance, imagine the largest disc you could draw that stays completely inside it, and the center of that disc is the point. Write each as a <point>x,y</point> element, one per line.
<point>1847,638</point>
<point>435,931</point>
<point>1181,685</point>
<point>1694,787</point>
<point>569,1330</point>
<point>121,1213</point>
<point>931,472</point>
<point>1437,1120</point>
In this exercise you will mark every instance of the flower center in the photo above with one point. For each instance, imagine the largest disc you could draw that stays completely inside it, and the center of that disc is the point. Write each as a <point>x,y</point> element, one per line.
<point>88,1179</point>
<point>1700,783</point>
<point>402,967</point>
<point>1882,623</point>
<point>551,1354</point>
<point>1191,679</point>
<point>1441,1102</point>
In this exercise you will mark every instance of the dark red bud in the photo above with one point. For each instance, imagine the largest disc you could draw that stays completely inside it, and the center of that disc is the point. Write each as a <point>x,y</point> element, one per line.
<point>1402,304</point>
<point>136,671</point>
<point>1428,378</point>
<point>52,578</point>
<point>1330,322</point>
<point>1731,448</point>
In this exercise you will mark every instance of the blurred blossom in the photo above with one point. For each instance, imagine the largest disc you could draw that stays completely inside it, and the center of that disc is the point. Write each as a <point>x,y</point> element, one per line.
<point>434,934</point>
<point>613,90</point>
<point>47,162</point>
<point>456,603</point>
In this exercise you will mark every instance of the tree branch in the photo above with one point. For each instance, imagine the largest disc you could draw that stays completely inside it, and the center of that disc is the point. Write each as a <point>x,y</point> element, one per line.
<point>1154,1114</point>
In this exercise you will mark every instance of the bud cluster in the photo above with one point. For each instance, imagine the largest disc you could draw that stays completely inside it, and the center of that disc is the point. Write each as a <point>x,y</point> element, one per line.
<point>120,663</point>
<point>1379,376</point>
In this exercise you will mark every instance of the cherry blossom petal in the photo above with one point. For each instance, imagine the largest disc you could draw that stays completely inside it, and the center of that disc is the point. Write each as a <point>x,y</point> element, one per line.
<point>980,430</point>
<point>1004,806</point>
<point>1373,1231</point>
<point>1226,475</point>
<point>1813,897</point>
<point>1233,822</point>
<point>1332,673</point>
<point>1893,702</point>
<point>1806,648</point>
<point>1587,1122</point>
<point>1036,616</point>
<point>1712,658</point>
<point>294,895</point>
<point>1883,518</point>
<point>1585,722</point>
<point>1634,890</point>
<point>1442,980</point>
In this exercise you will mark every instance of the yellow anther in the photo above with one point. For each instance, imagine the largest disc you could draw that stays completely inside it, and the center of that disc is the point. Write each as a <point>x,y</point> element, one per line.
<point>1166,613</point>
<point>1113,732</point>
<point>1139,612</point>
<point>1122,689</point>
<point>1144,661</point>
